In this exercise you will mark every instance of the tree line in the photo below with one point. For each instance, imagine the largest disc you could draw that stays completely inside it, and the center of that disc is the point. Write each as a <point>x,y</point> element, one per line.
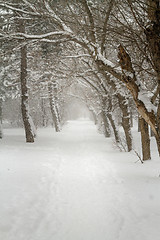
<point>105,51</point>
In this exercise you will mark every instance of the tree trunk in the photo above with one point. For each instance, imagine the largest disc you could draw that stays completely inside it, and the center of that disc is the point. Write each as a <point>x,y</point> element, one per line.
<point>44,119</point>
<point>116,135</point>
<point>139,127</point>
<point>127,130</point>
<point>158,125</point>
<point>126,121</point>
<point>55,98</point>
<point>151,132</point>
<point>94,117</point>
<point>131,83</point>
<point>107,108</point>
<point>158,143</point>
<point>152,36</point>
<point>24,91</point>
<point>145,140</point>
<point>54,112</point>
<point>131,119</point>
<point>105,124</point>
<point>158,114</point>
<point>1,132</point>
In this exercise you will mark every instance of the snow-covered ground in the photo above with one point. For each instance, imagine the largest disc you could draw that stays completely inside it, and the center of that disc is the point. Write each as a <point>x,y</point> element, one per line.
<point>75,185</point>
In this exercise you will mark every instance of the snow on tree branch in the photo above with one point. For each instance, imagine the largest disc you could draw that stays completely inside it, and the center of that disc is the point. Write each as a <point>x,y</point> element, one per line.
<point>58,19</point>
<point>8,6</point>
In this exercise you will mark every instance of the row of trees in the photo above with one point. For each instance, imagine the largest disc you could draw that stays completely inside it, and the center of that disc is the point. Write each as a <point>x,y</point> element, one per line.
<point>109,48</point>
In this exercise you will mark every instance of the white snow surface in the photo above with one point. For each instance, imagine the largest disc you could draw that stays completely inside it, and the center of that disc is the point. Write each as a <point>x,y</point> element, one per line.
<point>145,97</point>
<point>74,185</point>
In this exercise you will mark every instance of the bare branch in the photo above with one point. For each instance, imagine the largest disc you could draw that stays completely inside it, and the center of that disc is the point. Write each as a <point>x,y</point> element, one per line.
<point>104,31</point>
<point>8,6</point>
<point>91,20</point>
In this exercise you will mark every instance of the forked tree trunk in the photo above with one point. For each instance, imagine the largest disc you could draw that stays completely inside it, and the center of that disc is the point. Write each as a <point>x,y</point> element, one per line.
<point>115,131</point>
<point>24,91</point>
<point>145,140</point>
<point>54,109</point>
<point>107,109</point>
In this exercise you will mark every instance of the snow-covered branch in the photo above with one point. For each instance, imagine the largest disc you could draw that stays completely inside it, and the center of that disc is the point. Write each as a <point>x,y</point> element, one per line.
<point>58,19</point>
<point>8,6</point>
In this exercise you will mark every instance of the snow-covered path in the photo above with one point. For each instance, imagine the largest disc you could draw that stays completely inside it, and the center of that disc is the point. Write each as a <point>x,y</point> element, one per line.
<point>70,186</point>
<point>87,187</point>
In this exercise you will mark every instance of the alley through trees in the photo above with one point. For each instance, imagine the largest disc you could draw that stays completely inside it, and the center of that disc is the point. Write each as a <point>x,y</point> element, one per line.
<point>70,186</point>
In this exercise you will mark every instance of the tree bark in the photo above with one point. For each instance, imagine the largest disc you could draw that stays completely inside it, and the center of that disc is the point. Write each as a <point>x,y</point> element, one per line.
<point>1,131</point>
<point>158,116</point>
<point>44,119</point>
<point>53,107</point>
<point>106,115</point>
<point>116,135</point>
<point>24,91</point>
<point>56,102</point>
<point>129,78</point>
<point>139,127</point>
<point>127,130</point>
<point>145,140</point>
<point>151,133</point>
<point>107,107</point>
<point>125,121</point>
<point>105,124</point>
<point>131,118</point>
<point>152,36</point>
